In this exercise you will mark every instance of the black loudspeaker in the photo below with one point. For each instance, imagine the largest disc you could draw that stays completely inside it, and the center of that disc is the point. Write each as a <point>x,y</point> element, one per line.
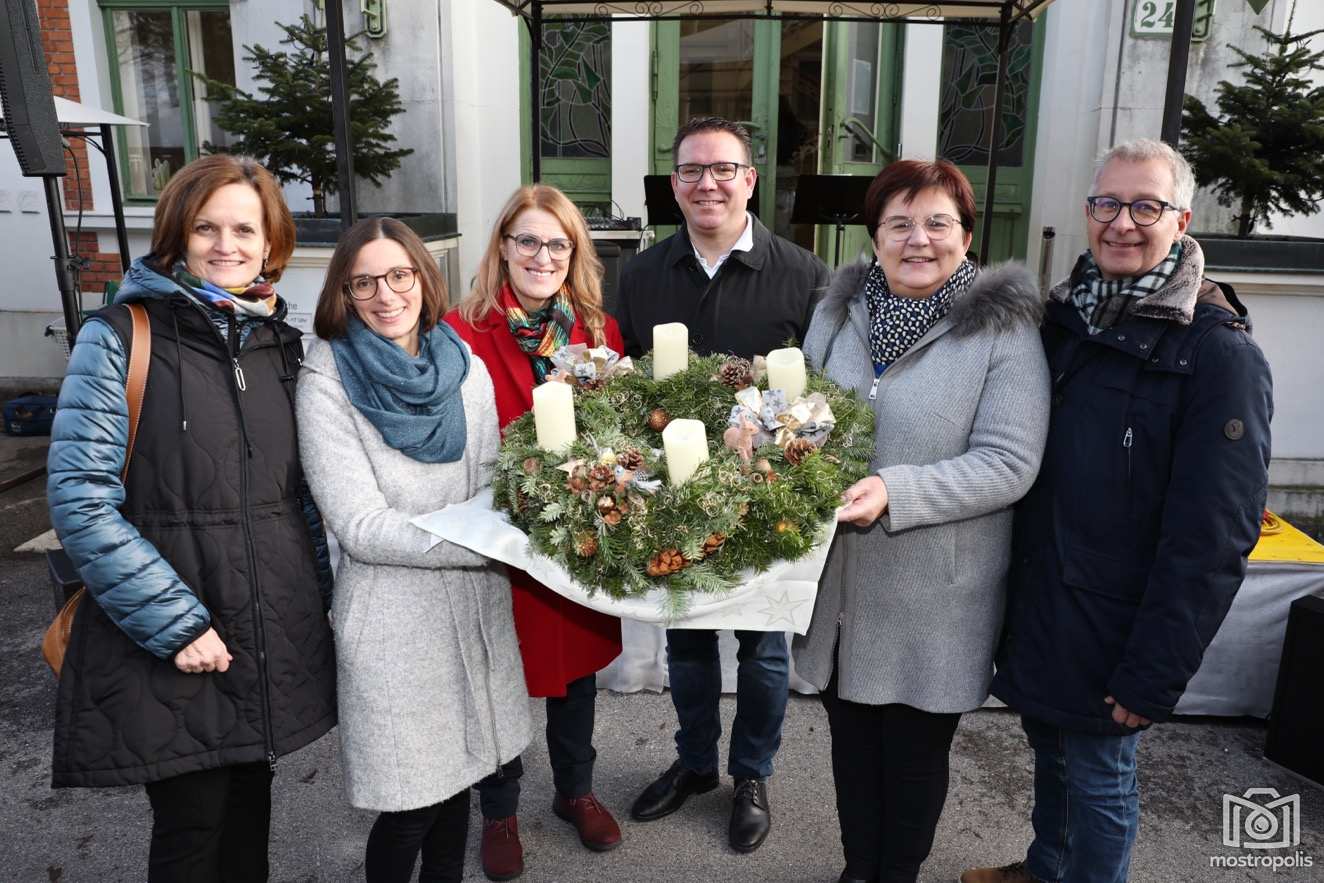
<point>1296,723</point>
<point>25,90</point>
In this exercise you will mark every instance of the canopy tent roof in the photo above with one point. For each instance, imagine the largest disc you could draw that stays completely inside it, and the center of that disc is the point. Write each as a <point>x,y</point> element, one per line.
<point>75,115</point>
<point>952,10</point>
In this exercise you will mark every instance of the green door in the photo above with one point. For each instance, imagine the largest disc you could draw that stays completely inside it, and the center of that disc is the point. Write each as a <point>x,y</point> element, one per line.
<point>969,71</point>
<point>861,93</point>
<point>767,75</point>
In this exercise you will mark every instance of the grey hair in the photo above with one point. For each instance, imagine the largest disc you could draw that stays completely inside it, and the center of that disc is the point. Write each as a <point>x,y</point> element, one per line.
<point>1146,149</point>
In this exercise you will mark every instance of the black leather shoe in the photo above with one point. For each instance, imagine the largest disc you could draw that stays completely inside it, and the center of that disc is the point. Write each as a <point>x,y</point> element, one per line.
<point>670,791</point>
<point>751,815</point>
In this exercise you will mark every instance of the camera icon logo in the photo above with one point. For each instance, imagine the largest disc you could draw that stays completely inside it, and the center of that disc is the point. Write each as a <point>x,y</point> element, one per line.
<point>1261,819</point>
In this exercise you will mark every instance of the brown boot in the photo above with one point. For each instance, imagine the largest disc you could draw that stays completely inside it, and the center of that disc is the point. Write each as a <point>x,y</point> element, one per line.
<point>502,853</point>
<point>1013,873</point>
<point>598,831</point>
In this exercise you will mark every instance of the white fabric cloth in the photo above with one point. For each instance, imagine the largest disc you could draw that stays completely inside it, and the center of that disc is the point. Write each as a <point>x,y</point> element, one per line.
<point>781,597</point>
<point>744,243</point>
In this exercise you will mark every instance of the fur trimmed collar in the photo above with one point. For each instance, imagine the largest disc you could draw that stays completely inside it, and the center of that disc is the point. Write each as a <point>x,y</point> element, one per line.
<point>1000,298</point>
<point>1175,301</point>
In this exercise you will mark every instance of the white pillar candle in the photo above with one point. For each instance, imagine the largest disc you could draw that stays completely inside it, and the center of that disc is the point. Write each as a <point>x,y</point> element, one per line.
<point>554,415</point>
<point>671,349</point>
<point>686,445</point>
<point>786,371</point>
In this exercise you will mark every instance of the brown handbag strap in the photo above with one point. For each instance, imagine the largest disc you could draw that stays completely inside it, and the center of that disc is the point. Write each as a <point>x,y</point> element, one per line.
<point>140,356</point>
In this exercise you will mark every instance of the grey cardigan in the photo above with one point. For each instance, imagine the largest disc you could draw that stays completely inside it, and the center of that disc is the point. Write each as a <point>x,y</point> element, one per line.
<point>429,678</point>
<point>960,423</point>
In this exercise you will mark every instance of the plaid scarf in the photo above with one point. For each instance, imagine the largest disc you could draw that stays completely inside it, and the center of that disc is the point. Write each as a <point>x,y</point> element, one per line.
<point>896,323</point>
<point>1101,302</point>
<point>542,333</point>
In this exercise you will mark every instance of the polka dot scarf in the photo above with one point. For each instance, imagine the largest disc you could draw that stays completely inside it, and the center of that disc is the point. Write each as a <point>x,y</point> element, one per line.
<point>897,323</point>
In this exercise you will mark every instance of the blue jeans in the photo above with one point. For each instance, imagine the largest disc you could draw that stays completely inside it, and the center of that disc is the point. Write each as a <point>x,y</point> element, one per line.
<point>762,684</point>
<point>1086,805</point>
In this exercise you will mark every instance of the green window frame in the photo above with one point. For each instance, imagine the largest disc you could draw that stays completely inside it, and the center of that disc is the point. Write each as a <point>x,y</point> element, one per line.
<point>184,83</point>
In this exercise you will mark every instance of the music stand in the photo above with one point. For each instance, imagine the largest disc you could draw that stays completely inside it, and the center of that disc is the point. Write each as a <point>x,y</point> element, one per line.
<point>661,202</point>
<point>831,199</point>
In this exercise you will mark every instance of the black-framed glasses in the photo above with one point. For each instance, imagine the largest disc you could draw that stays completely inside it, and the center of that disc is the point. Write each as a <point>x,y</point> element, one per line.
<point>937,227</point>
<point>398,279</point>
<point>690,172</point>
<point>1144,212</point>
<point>529,245</point>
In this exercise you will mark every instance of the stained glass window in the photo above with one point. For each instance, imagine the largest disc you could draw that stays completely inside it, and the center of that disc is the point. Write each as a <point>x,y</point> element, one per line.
<point>576,93</point>
<point>969,75</point>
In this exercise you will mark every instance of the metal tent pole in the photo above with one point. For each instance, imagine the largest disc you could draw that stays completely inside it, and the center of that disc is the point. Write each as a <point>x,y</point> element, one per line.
<point>1183,26</point>
<point>73,316</point>
<point>335,46</point>
<point>116,198</point>
<point>990,185</point>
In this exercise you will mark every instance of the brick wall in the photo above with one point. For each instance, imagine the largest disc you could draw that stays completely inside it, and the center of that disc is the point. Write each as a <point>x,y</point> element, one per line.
<point>57,42</point>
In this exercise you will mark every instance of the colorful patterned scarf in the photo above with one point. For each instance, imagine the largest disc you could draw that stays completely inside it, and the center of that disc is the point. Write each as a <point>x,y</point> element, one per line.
<point>1101,302</point>
<point>897,323</point>
<point>258,301</point>
<point>542,333</point>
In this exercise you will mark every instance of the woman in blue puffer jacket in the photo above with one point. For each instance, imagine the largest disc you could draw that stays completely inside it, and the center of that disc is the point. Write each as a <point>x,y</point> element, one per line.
<point>202,652</point>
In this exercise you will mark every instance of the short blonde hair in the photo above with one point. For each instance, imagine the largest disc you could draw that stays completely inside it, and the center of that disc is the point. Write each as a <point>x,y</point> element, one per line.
<point>583,282</point>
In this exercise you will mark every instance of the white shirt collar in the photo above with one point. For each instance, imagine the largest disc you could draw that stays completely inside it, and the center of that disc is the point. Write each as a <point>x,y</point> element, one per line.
<point>744,243</point>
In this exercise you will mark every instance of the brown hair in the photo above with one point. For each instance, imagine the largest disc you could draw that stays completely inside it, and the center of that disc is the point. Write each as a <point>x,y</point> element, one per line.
<point>191,187</point>
<point>583,282</point>
<point>910,176</point>
<point>331,318</point>
<point>697,125</point>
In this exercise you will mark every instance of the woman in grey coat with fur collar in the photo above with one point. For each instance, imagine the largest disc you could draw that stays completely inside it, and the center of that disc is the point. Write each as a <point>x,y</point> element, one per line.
<point>911,601</point>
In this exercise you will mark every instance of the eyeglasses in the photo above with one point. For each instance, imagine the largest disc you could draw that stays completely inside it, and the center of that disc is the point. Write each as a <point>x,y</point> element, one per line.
<point>937,227</point>
<point>1144,212</point>
<point>691,172</point>
<point>398,279</point>
<point>529,245</point>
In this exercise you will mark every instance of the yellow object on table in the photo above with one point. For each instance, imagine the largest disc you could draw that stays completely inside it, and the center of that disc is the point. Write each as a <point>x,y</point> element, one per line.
<point>1281,542</point>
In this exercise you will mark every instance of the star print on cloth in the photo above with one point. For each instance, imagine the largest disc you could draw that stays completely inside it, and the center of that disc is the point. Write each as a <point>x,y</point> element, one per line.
<point>896,323</point>
<point>782,607</point>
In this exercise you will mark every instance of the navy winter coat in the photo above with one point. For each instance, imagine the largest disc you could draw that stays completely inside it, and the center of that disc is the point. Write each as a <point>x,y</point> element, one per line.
<point>209,529</point>
<point>1129,548</point>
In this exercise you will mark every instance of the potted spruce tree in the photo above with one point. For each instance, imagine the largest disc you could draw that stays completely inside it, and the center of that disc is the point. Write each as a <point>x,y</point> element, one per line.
<point>1263,153</point>
<point>288,128</point>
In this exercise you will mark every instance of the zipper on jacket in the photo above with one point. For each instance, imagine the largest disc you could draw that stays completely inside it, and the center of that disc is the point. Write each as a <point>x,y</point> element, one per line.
<point>1127,441</point>
<point>873,390</point>
<point>234,356</point>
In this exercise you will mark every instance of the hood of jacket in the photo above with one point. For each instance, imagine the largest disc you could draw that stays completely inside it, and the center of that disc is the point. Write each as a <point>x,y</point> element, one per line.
<point>1001,297</point>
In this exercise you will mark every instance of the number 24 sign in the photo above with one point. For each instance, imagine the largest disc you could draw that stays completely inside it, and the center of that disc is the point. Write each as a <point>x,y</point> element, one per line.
<point>1153,18</point>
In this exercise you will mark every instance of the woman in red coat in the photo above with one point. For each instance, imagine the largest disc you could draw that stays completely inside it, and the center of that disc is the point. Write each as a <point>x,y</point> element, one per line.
<point>539,288</point>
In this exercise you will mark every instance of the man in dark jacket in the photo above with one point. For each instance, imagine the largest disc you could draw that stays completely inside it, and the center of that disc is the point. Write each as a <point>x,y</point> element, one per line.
<point>1129,548</point>
<point>743,290</point>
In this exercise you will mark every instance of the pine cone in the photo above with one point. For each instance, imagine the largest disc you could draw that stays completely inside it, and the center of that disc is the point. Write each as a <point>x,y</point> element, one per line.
<point>629,459</point>
<point>586,544</point>
<point>592,383</point>
<point>612,518</point>
<point>658,419</point>
<point>601,477</point>
<point>797,449</point>
<point>577,480</point>
<point>532,465</point>
<point>666,562</point>
<point>713,543</point>
<point>605,505</point>
<point>736,373</point>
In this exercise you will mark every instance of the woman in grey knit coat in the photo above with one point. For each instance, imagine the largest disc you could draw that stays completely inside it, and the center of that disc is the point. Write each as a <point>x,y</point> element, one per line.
<point>911,600</point>
<point>396,419</point>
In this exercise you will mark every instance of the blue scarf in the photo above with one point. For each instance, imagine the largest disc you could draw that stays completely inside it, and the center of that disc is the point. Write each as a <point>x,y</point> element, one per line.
<point>414,401</point>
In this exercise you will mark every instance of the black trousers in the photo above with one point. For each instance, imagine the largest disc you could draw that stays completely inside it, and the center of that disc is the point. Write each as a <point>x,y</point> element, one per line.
<point>211,826</point>
<point>890,767</point>
<point>569,747</point>
<point>437,831</point>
